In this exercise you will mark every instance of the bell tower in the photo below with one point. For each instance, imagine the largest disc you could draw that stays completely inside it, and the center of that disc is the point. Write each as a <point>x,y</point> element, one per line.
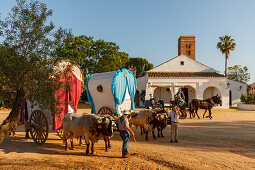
<point>186,46</point>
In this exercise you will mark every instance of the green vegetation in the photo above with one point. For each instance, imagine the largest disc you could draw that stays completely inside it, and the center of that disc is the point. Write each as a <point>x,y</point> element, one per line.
<point>142,65</point>
<point>239,74</point>
<point>248,99</point>
<point>98,56</point>
<point>28,49</point>
<point>94,56</point>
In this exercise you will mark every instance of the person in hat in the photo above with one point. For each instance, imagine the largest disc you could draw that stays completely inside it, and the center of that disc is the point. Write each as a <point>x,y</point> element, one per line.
<point>123,126</point>
<point>180,98</point>
<point>174,117</point>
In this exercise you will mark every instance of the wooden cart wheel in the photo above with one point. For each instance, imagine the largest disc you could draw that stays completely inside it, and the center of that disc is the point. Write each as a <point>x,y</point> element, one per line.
<point>39,127</point>
<point>60,133</point>
<point>105,110</point>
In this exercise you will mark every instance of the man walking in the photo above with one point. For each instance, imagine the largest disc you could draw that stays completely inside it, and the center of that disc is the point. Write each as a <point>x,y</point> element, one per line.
<point>174,117</point>
<point>123,126</point>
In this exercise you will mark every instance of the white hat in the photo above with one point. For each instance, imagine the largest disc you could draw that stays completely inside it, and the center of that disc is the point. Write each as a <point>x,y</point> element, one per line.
<point>126,112</point>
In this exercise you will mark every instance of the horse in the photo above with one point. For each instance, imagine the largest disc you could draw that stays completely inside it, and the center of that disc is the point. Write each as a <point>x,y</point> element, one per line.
<point>207,104</point>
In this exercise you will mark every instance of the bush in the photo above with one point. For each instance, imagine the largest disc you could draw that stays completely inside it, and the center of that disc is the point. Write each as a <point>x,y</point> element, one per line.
<point>248,99</point>
<point>84,97</point>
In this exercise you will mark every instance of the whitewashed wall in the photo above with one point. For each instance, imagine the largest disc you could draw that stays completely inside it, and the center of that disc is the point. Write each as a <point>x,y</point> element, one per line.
<point>198,84</point>
<point>190,65</point>
<point>236,91</point>
<point>142,83</point>
<point>211,91</point>
<point>191,93</point>
<point>161,92</point>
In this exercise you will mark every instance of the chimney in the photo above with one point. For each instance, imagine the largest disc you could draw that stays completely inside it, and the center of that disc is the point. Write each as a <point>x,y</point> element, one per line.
<point>186,46</point>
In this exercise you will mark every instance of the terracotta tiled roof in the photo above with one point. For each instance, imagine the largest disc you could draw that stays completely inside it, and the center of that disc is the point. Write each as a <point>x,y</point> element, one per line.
<point>185,74</point>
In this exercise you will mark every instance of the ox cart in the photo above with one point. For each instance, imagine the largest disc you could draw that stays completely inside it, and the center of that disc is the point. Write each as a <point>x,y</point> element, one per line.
<point>162,108</point>
<point>42,121</point>
<point>111,92</point>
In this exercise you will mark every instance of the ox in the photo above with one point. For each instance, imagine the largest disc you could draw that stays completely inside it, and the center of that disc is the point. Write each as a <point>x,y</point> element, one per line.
<point>148,120</point>
<point>91,126</point>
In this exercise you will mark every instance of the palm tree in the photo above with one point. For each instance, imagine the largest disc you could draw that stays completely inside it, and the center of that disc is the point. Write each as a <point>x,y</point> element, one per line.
<point>226,44</point>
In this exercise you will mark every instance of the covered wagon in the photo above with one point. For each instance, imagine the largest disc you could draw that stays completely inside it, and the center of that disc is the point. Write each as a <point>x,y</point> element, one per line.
<point>41,121</point>
<point>111,92</point>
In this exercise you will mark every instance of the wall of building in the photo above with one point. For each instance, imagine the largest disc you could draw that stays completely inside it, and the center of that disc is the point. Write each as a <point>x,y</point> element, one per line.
<point>142,83</point>
<point>191,92</point>
<point>198,84</point>
<point>212,85</point>
<point>190,65</point>
<point>162,93</point>
<point>211,91</point>
<point>237,90</point>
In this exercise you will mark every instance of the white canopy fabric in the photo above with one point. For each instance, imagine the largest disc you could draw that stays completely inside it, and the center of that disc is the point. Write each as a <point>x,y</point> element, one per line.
<point>105,98</point>
<point>60,66</point>
<point>115,90</point>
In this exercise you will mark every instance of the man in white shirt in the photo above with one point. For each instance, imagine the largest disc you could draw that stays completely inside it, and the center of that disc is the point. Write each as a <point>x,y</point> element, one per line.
<point>123,126</point>
<point>174,116</point>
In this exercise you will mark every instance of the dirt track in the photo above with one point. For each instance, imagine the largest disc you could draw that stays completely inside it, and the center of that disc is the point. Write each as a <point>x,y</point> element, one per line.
<point>226,142</point>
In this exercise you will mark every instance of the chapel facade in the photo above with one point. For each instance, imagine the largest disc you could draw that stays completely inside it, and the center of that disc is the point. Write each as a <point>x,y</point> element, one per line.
<point>197,80</point>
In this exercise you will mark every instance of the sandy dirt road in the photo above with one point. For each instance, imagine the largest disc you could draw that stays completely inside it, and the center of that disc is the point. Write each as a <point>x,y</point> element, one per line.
<point>226,142</point>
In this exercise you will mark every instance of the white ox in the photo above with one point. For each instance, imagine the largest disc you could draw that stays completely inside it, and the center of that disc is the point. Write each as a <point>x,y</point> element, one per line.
<point>143,119</point>
<point>91,126</point>
<point>148,120</point>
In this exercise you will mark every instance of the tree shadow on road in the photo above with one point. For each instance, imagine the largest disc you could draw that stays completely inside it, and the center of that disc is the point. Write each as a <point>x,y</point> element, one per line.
<point>237,137</point>
<point>18,144</point>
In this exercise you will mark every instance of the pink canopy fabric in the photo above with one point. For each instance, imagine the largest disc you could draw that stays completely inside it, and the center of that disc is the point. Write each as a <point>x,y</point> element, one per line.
<point>65,97</point>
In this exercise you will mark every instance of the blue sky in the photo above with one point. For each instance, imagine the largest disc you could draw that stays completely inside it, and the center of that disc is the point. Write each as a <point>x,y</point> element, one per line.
<point>150,28</point>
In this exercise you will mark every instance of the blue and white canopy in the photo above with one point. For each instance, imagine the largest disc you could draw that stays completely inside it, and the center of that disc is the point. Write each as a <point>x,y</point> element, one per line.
<point>115,90</point>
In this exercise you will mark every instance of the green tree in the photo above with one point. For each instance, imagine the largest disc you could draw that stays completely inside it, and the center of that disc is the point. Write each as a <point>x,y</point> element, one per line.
<point>226,44</point>
<point>248,89</point>
<point>27,50</point>
<point>94,56</point>
<point>239,74</point>
<point>142,65</point>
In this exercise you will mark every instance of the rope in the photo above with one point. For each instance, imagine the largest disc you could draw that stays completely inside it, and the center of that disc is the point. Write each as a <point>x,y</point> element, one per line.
<point>135,142</point>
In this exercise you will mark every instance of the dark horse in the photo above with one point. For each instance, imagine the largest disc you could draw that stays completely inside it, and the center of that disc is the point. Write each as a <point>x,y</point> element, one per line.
<point>207,104</point>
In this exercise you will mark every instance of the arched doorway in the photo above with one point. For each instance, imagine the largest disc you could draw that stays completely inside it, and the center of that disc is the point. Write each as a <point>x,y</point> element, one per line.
<point>230,98</point>
<point>137,98</point>
<point>189,92</point>
<point>210,92</point>
<point>163,93</point>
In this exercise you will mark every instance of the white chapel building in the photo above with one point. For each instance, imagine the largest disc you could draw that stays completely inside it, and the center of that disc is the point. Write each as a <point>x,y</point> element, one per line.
<point>197,80</point>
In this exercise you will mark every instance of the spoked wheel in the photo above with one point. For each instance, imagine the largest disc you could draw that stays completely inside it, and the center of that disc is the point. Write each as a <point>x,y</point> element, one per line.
<point>39,127</point>
<point>60,133</point>
<point>105,110</point>
<point>184,114</point>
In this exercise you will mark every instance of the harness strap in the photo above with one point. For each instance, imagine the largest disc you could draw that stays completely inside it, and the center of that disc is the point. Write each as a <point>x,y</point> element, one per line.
<point>212,102</point>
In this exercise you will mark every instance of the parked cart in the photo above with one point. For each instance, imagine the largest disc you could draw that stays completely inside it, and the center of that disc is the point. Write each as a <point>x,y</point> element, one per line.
<point>111,92</point>
<point>41,121</point>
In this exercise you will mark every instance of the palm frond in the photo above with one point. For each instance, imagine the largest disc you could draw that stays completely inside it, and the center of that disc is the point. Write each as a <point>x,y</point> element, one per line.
<point>226,44</point>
